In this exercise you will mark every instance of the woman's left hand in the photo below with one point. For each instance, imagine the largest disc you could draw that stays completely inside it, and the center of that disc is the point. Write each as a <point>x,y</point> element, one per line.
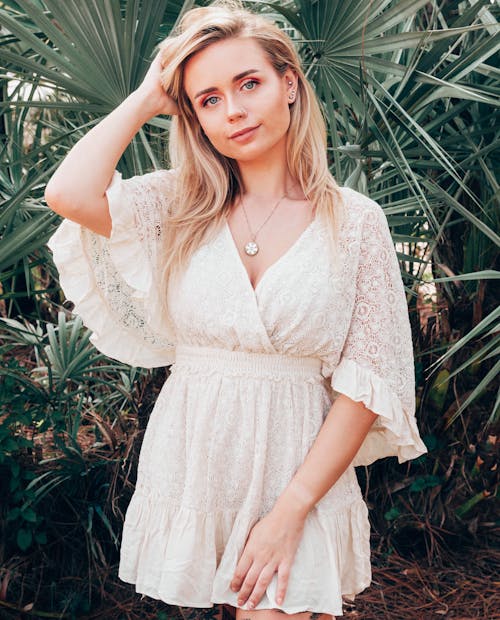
<point>271,546</point>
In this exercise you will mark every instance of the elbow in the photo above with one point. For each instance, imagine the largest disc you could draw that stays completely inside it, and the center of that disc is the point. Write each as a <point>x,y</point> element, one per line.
<point>51,196</point>
<point>56,200</point>
<point>93,215</point>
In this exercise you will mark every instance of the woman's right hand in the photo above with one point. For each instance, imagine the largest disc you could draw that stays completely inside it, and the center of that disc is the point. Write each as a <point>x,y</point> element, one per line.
<point>77,190</point>
<point>152,91</point>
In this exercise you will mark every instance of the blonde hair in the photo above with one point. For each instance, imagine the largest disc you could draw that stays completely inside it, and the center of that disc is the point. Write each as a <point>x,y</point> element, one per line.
<point>207,182</point>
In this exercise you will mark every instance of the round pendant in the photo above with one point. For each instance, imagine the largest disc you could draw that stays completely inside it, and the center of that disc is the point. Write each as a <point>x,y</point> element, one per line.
<point>251,248</point>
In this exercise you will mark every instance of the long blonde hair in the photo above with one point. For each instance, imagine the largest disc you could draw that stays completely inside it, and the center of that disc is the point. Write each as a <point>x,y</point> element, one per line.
<point>207,182</point>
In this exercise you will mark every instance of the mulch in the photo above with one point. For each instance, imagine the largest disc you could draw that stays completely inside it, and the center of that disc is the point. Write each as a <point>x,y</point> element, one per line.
<point>407,590</point>
<point>467,587</point>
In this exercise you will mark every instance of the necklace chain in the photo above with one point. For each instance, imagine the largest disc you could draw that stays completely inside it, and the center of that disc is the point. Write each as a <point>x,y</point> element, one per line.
<point>251,248</point>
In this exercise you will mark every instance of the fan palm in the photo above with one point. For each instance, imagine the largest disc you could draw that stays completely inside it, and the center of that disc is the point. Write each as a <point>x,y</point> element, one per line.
<point>412,105</point>
<point>409,89</point>
<point>409,95</point>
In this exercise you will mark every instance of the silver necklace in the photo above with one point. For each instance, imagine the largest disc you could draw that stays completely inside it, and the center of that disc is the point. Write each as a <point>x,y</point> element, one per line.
<point>251,248</point>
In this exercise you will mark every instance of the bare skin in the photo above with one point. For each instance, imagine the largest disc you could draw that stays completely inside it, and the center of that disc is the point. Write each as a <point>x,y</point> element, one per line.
<point>259,99</point>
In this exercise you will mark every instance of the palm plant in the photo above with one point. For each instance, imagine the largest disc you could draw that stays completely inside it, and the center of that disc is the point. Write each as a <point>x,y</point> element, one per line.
<point>71,64</point>
<point>409,89</point>
<point>55,380</point>
<point>412,105</point>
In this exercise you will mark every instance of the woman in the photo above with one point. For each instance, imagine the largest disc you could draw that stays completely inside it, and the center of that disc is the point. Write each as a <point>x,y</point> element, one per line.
<point>277,298</point>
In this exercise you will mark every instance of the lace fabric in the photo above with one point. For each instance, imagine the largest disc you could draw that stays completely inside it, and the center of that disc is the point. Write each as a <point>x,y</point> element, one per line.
<point>376,364</point>
<point>114,283</point>
<point>226,435</point>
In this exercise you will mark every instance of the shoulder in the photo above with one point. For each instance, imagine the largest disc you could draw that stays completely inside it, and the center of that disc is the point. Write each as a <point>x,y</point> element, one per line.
<point>361,211</point>
<point>357,203</point>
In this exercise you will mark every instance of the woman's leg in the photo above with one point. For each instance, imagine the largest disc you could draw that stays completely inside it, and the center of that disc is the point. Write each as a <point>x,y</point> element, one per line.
<point>217,612</point>
<point>227,612</point>
<point>277,614</point>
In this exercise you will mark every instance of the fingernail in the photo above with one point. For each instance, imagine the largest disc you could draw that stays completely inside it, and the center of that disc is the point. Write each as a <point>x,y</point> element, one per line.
<point>250,605</point>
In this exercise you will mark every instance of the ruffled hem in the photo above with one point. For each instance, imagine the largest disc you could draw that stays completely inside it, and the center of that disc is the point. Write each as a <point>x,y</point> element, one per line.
<point>187,558</point>
<point>111,286</point>
<point>395,432</point>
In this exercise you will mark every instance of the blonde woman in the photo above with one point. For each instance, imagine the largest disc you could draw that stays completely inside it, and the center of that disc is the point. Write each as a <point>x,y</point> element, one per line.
<point>276,297</point>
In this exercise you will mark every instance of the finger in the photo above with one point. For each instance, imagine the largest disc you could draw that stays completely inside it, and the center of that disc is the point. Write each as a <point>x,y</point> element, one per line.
<point>261,584</point>
<point>248,584</point>
<point>240,572</point>
<point>283,576</point>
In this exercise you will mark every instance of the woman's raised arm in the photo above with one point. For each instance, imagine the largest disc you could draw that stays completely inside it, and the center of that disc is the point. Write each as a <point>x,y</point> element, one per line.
<point>77,189</point>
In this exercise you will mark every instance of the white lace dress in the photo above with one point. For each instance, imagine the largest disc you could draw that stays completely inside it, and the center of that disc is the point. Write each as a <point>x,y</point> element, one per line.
<point>254,374</point>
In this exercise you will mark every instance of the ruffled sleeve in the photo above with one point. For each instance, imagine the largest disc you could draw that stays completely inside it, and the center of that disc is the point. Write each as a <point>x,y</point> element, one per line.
<point>376,366</point>
<point>115,283</point>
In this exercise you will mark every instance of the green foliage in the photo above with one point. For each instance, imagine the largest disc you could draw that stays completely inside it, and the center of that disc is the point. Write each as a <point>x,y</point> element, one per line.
<point>425,482</point>
<point>412,105</point>
<point>56,394</point>
<point>409,90</point>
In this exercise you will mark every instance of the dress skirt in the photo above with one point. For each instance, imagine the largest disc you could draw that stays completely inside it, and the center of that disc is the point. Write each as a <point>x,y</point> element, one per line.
<point>227,433</point>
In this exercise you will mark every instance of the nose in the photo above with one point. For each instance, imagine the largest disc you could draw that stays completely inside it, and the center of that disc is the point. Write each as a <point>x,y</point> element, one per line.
<point>234,109</point>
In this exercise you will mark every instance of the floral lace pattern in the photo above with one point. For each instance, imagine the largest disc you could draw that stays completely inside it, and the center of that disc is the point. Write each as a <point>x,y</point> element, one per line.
<point>254,374</point>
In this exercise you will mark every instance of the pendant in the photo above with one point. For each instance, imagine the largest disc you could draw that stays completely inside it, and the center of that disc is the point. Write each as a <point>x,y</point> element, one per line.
<point>251,248</point>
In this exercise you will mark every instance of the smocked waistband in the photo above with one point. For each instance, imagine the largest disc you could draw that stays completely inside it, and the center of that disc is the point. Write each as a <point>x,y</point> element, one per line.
<point>210,359</point>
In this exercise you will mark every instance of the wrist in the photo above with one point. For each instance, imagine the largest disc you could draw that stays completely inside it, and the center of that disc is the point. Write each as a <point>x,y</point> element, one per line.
<point>295,500</point>
<point>143,104</point>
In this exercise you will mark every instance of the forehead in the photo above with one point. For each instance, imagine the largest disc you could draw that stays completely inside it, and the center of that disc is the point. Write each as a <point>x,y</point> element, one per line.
<point>217,64</point>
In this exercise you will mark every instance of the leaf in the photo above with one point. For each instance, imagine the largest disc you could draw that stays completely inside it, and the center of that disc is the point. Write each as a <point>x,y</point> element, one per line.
<point>425,482</point>
<point>392,514</point>
<point>28,514</point>
<point>24,538</point>
<point>41,538</point>
<point>13,514</point>
<point>10,445</point>
<point>464,508</point>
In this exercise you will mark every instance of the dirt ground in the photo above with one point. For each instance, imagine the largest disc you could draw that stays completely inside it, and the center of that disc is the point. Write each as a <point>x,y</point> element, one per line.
<point>467,587</point>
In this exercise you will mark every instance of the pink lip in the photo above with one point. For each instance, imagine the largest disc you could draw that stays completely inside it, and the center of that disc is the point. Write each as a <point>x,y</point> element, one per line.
<point>243,132</point>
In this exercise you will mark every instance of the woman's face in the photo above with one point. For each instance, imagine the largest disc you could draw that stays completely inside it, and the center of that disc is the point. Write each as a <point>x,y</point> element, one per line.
<point>233,87</point>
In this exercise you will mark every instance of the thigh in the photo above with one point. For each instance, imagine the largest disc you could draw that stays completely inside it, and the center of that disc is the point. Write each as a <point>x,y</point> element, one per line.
<point>277,614</point>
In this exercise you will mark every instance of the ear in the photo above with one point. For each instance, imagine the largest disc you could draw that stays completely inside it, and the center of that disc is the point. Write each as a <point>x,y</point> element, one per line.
<point>291,82</point>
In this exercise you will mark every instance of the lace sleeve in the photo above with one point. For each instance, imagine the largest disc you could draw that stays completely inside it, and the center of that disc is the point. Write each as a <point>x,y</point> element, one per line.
<point>376,366</point>
<point>115,283</point>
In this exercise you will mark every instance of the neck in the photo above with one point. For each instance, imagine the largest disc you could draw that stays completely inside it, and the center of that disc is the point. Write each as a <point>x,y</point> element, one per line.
<point>267,179</point>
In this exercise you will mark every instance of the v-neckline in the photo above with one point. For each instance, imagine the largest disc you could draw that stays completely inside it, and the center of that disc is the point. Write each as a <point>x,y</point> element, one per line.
<point>273,265</point>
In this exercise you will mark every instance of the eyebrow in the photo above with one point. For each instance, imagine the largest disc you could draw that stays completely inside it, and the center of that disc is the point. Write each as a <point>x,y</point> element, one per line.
<point>235,79</point>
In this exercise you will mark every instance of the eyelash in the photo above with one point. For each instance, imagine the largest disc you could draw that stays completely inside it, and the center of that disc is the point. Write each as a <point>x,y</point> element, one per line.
<point>204,104</point>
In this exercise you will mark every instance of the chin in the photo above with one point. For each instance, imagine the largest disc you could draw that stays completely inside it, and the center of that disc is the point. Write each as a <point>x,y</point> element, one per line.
<point>248,152</point>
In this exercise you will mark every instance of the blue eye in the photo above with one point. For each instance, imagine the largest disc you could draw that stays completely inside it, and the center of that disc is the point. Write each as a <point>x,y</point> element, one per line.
<point>251,82</point>
<point>209,99</point>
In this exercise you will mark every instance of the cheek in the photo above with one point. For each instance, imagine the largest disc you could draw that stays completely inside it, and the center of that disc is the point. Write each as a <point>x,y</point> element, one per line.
<point>210,129</point>
<point>214,136</point>
<point>280,112</point>
<point>283,118</point>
